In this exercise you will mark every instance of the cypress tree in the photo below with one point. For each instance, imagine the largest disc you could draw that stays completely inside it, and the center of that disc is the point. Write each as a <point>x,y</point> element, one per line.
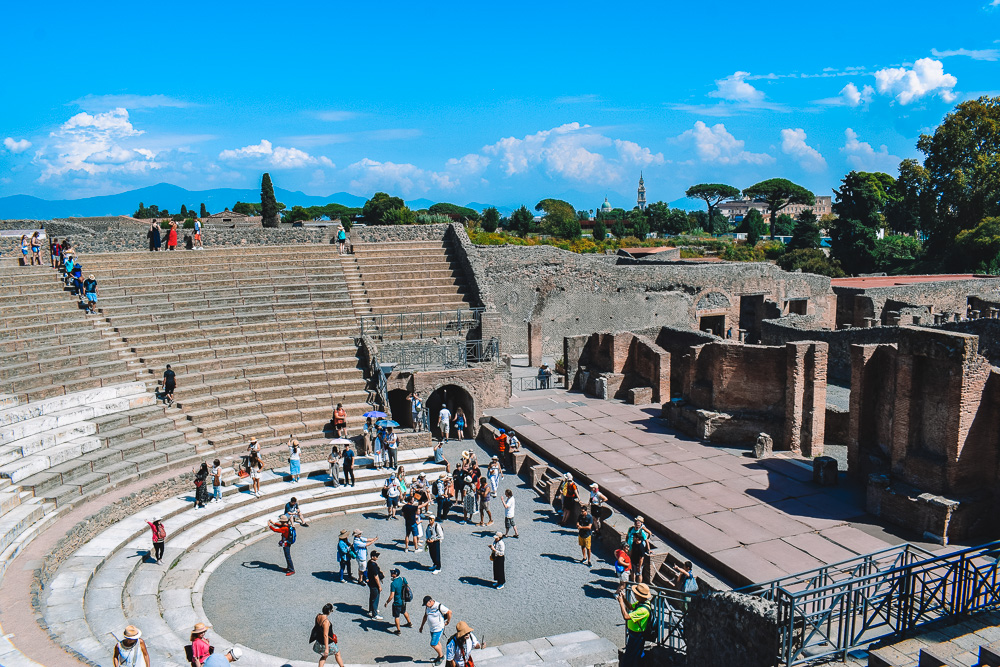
<point>268,204</point>
<point>204,211</point>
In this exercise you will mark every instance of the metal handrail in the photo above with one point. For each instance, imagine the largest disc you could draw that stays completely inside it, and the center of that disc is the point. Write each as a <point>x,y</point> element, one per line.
<point>457,354</point>
<point>381,326</point>
<point>669,613</point>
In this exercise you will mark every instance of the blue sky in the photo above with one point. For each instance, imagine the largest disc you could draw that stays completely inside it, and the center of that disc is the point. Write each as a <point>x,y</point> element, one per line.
<point>490,102</point>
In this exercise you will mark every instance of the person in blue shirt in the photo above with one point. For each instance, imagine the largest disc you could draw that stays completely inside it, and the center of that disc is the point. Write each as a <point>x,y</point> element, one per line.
<point>396,598</point>
<point>341,239</point>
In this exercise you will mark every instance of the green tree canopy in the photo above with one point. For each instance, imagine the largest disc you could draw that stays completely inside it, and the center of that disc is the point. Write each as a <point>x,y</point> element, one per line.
<point>980,246</point>
<point>895,253</point>
<point>859,204</point>
<point>490,220</point>
<point>559,217</point>
<point>377,208</point>
<point>963,169</point>
<point>753,225</point>
<point>712,194</point>
<point>522,222</point>
<point>811,260</point>
<point>400,216</point>
<point>778,193</point>
<point>619,230</point>
<point>460,212</point>
<point>600,230</point>
<point>784,225</point>
<point>805,235</point>
<point>640,226</point>
<point>204,212</point>
<point>268,204</point>
<point>246,208</point>
<point>912,200</point>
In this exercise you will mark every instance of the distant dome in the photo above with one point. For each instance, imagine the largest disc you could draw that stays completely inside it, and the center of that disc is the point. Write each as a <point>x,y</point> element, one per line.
<point>606,206</point>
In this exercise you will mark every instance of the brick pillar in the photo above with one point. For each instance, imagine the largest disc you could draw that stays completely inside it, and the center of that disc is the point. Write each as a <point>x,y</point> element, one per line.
<point>534,344</point>
<point>491,327</point>
<point>795,381</point>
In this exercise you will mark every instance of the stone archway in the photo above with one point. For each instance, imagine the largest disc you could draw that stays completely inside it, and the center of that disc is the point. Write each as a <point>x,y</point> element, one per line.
<point>454,396</point>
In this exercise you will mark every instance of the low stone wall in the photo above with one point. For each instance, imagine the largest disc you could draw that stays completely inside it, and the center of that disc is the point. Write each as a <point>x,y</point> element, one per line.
<point>389,233</point>
<point>726,629</point>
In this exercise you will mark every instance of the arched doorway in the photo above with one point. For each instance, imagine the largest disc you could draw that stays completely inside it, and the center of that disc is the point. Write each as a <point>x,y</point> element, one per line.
<point>454,397</point>
<point>399,407</point>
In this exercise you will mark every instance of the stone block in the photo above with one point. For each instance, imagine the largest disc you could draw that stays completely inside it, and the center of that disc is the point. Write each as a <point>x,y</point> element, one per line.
<point>640,395</point>
<point>764,446</point>
<point>989,656</point>
<point>887,656</point>
<point>936,656</point>
<point>825,470</point>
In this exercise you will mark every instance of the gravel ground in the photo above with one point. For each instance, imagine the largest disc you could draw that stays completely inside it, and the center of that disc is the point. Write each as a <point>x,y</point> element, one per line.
<point>249,600</point>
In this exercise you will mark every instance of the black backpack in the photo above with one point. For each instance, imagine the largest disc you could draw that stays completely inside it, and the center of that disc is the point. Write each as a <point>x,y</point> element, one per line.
<point>651,633</point>
<point>407,591</point>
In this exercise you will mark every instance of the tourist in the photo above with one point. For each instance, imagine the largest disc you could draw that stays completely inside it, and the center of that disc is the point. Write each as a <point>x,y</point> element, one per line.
<point>294,512</point>
<point>681,577</point>
<point>444,422</point>
<point>159,535</point>
<point>439,458</point>
<point>36,249</point>
<point>435,534</point>
<point>200,647</point>
<point>637,616</point>
<point>361,544</point>
<point>216,481</point>
<point>421,494</point>
<point>508,513</point>
<point>24,250</point>
<point>348,466</point>
<point>231,654</point>
<point>459,424</point>
<point>130,651</point>
<point>334,461</point>
<point>437,617</point>
<point>67,276</point>
<point>197,235</point>
<point>585,528</point>
<point>416,408</point>
<point>570,499</point>
<point>345,554</point>
<point>442,495</point>
<point>368,431</point>
<point>154,236</point>
<point>378,455</point>
<point>254,447</point>
<point>373,576</point>
<point>340,421</point>
<point>285,528</point>
<point>201,486</point>
<point>391,493</point>
<point>483,495</point>
<point>390,443</point>
<point>500,439</point>
<point>623,569</point>
<point>172,236</point>
<point>458,652</point>
<point>410,518</point>
<point>90,292</point>
<point>458,480</point>
<point>341,241</point>
<point>494,475</point>
<point>401,478</point>
<point>637,544</point>
<point>597,500</point>
<point>544,376</point>
<point>398,599</point>
<point>513,448</point>
<point>498,552</point>
<point>169,385</point>
<point>256,465</point>
<point>294,460</point>
<point>77,290</point>
<point>322,637</point>
<point>55,252</point>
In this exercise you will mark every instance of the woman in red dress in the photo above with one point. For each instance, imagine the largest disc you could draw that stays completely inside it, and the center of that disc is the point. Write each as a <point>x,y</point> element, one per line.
<point>172,237</point>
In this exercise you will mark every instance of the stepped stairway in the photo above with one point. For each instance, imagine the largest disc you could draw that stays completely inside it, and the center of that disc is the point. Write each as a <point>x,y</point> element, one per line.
<point>416,286</point>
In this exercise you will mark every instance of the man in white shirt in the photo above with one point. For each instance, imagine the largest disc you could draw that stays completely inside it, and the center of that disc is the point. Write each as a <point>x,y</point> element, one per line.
<point>508,513</point>
<point>444,422</point>
<point>438,616</point>
<point>461,645</point>
<point>499,552</point>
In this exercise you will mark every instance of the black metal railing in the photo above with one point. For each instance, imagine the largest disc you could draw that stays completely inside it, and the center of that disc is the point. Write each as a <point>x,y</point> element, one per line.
<point>535,382</point>
<point>457,354</point>
<point>669,611</point>
<point>400,326</point>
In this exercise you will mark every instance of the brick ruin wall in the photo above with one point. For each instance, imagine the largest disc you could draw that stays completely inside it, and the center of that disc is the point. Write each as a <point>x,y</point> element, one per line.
<point>913,301</point>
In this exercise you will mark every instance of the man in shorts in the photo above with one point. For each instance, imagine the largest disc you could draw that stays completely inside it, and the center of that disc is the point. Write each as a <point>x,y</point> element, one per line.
<point>438,616</point>
<point>508,513</point>
<point>197,235</point>
<point>444,422</point>
<point>169,385</point>
<point>585,528</point>
<point>90,290</point>
<point>409,512</point>
<point>396,598</point>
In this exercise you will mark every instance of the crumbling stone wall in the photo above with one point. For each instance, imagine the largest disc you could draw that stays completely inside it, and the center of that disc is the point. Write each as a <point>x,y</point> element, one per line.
<point>726,629</point>
<point>854,304</point>
<point>622,360</point>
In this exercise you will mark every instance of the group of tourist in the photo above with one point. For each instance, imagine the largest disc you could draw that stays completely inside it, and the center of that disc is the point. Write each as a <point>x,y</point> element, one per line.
<point>155,237</point>
<point>62,257</point>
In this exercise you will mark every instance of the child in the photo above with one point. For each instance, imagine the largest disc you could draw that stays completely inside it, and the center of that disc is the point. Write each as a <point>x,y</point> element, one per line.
<point>216,481</point>
<point>623,565</point>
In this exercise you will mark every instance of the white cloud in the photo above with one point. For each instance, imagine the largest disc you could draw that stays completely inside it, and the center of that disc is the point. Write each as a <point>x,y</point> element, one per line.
<point>862,156</point>
<point>735,89</point>
<point>335,116</point>
<point>278,157</point>
<point>717,146</point>
<point>854,97</point>
<point>16,146</point>
<point>103,143</point>
<point>472,164</point>
<point>408,179</point>
<point>926,78</point>
<point>632,153</point>
<point>793,142</point>
<point>990,55</point>
<point>107,102</point>
<point>388,134</point>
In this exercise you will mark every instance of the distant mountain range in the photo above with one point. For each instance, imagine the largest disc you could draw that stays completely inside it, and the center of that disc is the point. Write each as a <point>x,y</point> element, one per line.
<point>171,197</point>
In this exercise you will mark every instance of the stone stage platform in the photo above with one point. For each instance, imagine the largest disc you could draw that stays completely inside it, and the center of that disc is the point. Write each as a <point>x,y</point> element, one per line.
<point>746,520</point>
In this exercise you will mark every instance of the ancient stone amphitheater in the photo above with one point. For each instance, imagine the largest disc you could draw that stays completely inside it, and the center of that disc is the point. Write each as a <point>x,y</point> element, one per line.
<point>263,340</point>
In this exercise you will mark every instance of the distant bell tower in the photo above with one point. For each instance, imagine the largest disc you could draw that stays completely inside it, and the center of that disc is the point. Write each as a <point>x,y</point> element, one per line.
<point>641,201</point>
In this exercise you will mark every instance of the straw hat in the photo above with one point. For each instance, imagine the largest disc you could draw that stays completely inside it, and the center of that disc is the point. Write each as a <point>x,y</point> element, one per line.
<point>640,519</point>
<point>357,531</point>
<point>199,629</point>
<point>283,518</point>
<point>343,533</point>
<point>463,629</point>
<point>132,632</point>
<point>641,591</point>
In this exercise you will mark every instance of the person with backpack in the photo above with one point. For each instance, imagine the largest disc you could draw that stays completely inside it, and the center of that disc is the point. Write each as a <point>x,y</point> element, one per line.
<point>438,616</point>
<point>197,235</point>
<point>570,499</point>
<point>637,544</point>
<point>216,481</point>
<point>345,554</point>
<point>639,623</point>
<point>285,528</point>
<point>458,650</point>
<point>159,538</point>
<point>130,651</point>
<point>623,569</point>
<point>399,595</point>
<point>341,239</point>
<point>323,638</point>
